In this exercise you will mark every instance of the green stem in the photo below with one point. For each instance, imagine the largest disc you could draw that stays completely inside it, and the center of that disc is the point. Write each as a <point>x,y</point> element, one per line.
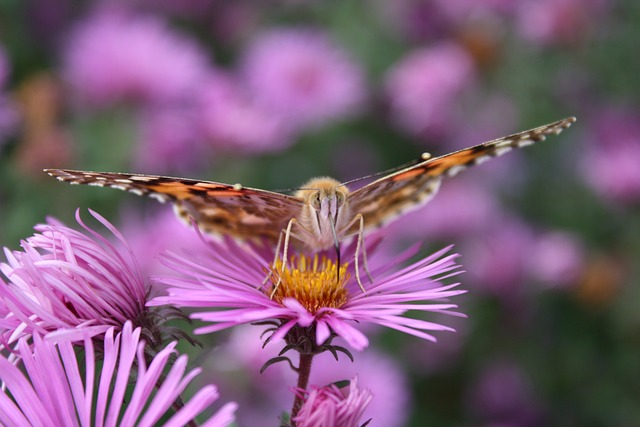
<point>304,370</point>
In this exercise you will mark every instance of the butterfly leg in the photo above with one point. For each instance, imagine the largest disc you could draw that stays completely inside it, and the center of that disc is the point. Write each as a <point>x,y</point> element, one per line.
<point>287,238</point>
<point>360,246</point>
<point>275,259</point>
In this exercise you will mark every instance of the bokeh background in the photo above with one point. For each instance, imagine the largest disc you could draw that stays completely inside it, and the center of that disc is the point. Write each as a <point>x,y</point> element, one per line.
<point>272,93</point>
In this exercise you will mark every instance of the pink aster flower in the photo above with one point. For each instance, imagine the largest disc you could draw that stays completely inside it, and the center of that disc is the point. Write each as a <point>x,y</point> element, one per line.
<point>424,86</point>
<point>67,279</point>
<point>113,57</point>
<point>224,288</point>
<point>303,76</point>
<point>55,390</point>
<point>331,406</point>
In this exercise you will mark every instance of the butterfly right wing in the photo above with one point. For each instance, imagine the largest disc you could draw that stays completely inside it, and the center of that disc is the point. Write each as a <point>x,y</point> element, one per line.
<point>217,208</point>
<point>412,187</point>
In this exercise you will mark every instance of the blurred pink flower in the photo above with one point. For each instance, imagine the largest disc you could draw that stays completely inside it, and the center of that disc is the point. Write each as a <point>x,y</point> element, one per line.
<point>9,116</point>
<point>465,10</point>
<point>4,67</point>
<point>191,9</point>
<point>610,163</point>
<point>354,159</point>
<point>147,243</point>
<point>231,120</point>
<point>486,117</point>
<point>226,284</point>
<point>66,279</point>
<point>170,140</point>
<point>424,86</point>
<point>556,259</point>
<point>113,57</point>
<point>437,359</point>
<point>54,390</point>
<point>303,76</point>
<point>505,255</point>
<point>330,406</point>
<point>412,19</point>
<point>234,22</point>
<point>559,21</point>
<point>496,259</point>
<point>461,207</point>
<point>502,395</point>
<point>428,20</point>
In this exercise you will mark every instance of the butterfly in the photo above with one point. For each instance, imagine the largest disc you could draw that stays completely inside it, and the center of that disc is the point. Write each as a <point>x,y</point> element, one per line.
<point>320,214</point>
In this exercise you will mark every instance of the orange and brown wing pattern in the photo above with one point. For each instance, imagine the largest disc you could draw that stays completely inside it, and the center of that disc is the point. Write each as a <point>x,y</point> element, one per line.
<point>388,197</point>
<point>216,207</point>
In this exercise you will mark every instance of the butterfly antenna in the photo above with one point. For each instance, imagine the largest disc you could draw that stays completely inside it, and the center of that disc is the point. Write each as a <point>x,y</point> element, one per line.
<point>423,157</point>
<point>293,190</point>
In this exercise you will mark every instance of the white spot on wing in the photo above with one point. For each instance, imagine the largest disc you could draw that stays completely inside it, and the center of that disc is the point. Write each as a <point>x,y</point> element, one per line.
<point>160,197</point>
<point>481,159</point>
<point>502,150</point>
<point>525,142</point>
<point>454,170</point>
<point>141,178</point>
<point>254,220</point>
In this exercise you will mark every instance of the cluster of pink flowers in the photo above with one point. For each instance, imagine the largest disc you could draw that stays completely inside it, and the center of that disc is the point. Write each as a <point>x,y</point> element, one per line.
<point>288,81</point>
<point>55,389</point>
<point>67,286</point>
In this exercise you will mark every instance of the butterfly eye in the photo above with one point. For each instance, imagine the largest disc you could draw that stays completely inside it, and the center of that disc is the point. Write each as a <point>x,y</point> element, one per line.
<point>315,200</point>
<point>340,198</point>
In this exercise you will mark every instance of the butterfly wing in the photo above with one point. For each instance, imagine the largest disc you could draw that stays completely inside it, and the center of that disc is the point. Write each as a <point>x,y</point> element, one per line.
<point>217,208</point>
<point>388,197</point>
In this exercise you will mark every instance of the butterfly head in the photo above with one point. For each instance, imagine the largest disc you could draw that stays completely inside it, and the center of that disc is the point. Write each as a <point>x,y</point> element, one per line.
<point>325,196</point>
<point>326,201</point>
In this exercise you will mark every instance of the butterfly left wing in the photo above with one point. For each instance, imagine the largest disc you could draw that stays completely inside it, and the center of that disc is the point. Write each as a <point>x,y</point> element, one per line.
<point>217,208</point>
<point>392,195</point>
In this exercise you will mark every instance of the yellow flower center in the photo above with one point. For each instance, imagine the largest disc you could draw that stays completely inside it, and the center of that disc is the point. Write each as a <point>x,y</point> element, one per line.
<point>314,283</point>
